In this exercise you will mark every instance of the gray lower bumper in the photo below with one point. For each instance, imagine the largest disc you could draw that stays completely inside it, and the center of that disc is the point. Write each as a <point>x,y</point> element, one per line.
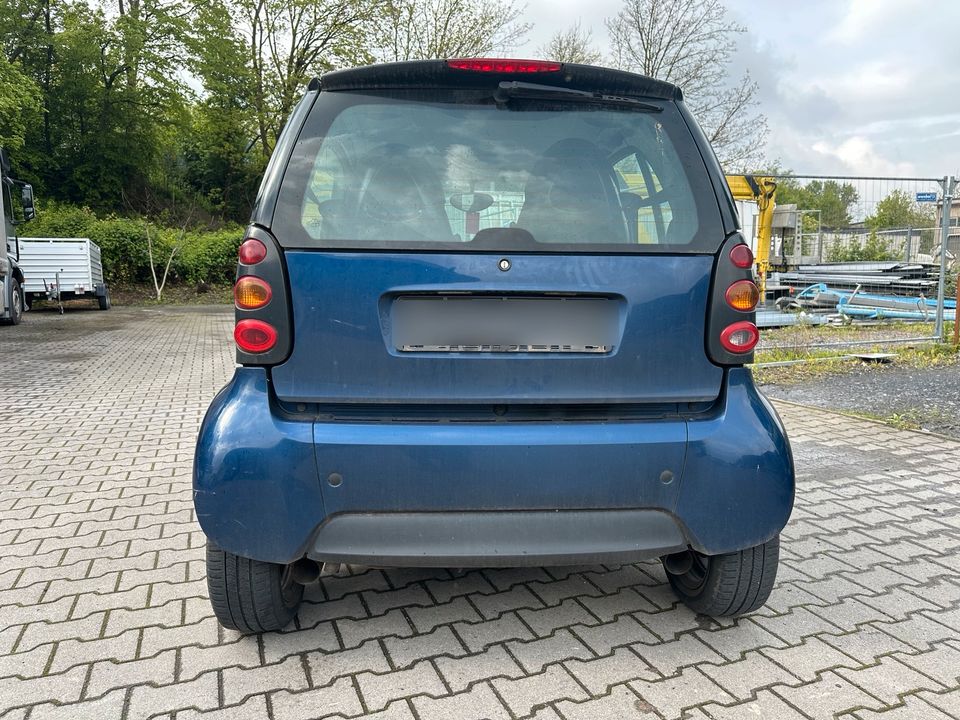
<point>496,539</point>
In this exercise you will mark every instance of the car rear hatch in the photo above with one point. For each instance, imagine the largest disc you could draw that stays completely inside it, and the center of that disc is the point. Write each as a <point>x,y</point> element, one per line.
<point>469,238</point>
<point>455,329</point>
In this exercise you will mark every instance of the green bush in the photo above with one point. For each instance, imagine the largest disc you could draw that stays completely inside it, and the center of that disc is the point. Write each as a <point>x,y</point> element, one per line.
<point>208,256</point>
<point>204,255</point>
<point>60,220</point>
<point>873,250</point>
<point>123,248</point>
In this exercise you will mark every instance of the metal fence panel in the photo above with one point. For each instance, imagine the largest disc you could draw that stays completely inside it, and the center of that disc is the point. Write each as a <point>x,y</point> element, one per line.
<point>861,253</point>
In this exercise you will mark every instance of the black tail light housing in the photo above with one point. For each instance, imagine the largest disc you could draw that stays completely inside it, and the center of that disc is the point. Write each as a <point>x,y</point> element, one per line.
<point>728,269</point>
<point>276,312</point>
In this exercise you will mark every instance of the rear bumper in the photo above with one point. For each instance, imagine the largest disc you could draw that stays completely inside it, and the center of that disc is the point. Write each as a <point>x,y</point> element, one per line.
<point>460,494</point>
<point>496,538</point>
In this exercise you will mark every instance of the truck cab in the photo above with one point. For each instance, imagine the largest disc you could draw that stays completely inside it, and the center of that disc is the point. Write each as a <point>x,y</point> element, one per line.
<point>11,276</point>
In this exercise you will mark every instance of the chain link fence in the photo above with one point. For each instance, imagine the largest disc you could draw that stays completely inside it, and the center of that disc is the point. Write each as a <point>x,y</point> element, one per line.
<point>859,261</point>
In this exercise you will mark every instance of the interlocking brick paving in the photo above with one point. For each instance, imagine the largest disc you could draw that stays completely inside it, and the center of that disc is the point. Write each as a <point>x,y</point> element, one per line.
<point>103,608</point>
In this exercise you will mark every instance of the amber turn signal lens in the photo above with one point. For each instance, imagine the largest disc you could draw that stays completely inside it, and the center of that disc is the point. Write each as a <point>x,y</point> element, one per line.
<point>251,293</point>
<point>743,295</point>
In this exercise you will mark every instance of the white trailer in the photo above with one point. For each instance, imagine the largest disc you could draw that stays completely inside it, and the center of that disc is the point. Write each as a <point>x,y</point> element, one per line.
<point>62,269</point>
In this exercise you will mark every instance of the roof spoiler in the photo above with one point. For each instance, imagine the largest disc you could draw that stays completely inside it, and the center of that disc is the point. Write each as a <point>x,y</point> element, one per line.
<point>457,74</point>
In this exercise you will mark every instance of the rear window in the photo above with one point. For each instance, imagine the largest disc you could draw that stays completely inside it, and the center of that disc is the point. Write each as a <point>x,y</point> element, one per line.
<point>451,169</point>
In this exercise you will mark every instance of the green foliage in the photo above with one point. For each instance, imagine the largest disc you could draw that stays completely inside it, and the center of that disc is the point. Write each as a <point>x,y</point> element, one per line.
<point>203,255</point>
<point>873,250</point>
<point>215,162</point>
<point>137,106</point>
<point>19,102</point>
<point>60,220</point>
<point>209,256</point>
<point>898,210</point>
<point>107,94</point>
<point>834,201</point>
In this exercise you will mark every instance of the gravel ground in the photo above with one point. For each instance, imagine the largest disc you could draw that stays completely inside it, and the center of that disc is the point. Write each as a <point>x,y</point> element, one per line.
<point>924,397</point>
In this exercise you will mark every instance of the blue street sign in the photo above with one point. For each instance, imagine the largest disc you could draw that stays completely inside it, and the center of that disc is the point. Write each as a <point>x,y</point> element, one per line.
<point>926,197</point>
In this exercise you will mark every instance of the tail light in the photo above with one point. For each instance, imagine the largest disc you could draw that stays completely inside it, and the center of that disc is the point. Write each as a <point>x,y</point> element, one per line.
<point>500,65</point>
<point>732,332</point>
<point>741,256</point>
<point>251,293</point>
<point>743,295</point>
<point>252,251</point>
<point>255,336</point>
<point>264,326</point>
<point>740,338</point>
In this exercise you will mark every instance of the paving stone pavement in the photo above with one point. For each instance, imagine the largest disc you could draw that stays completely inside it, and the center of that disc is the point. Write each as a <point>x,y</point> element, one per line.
<point>103,608</point>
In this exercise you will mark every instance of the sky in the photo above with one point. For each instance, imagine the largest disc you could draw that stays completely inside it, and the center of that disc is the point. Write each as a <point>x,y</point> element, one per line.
<point>849,87</point>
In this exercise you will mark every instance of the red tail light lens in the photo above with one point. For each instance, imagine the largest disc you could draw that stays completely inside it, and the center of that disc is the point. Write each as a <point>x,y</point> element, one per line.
<point>251,293</point>
<point>252,251</point>
<point>254,336</point>
<point>499,65</point>
<point>741,256</point>
<point>743,295</point>
<point>740,338</point>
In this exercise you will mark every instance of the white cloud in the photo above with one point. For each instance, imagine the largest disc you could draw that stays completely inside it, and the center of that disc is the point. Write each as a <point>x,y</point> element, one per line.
<point>858,156</point>
<point>867,81</point>
<point>834,74</point>
<point>864,17</point>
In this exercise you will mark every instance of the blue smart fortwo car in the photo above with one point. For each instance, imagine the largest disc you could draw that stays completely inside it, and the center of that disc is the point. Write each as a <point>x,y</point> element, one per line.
<point>491,313</point>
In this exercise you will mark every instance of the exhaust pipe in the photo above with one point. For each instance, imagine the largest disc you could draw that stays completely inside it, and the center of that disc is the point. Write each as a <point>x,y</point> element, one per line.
<point>678,563</point>
<point>305,571</point>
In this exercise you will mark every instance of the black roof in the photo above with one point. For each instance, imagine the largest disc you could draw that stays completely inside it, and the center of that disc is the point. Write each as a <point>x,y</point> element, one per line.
<point>436,73</point>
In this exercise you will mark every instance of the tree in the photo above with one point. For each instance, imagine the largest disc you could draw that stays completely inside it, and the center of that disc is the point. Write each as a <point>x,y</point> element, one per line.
<point>220,159</point>
<point>898,210</point>
<point>20,97</point>
<point>690,43</point>
<point>288,42</point>
<point>19,102</point>
<point>426,29</point>
<point>834,201</point>
<point>111,85</point>
<point>573,45</point>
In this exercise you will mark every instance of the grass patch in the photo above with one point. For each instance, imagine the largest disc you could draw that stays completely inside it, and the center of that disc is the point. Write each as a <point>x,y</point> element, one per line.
<point>143,294</point>
<point>910,419</point>
<point>825,362</point>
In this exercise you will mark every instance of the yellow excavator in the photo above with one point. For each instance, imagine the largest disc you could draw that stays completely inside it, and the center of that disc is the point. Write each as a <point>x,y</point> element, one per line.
<point>762,191</point>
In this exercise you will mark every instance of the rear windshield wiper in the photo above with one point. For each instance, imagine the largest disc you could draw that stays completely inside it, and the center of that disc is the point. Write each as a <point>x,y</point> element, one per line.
<point>532,91</point>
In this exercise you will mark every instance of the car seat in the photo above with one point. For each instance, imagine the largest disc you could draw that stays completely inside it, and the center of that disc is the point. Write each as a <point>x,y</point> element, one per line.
<point>572,197</point>
<point>400,198</point>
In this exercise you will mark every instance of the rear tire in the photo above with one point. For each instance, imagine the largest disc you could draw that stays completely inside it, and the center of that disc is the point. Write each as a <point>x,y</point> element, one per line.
<point>730,584</point>
<point>250,595</point>
<point>103,302</point>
